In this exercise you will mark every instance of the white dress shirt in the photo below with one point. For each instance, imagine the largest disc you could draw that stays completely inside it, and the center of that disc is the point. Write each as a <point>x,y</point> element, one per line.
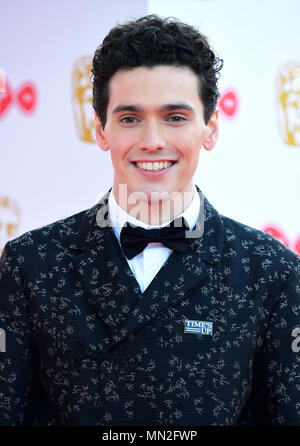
<point>146,265</point>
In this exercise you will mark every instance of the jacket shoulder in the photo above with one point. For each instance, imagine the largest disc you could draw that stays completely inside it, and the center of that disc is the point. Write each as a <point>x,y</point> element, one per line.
<point>62,231</point>
<point>255,242</point>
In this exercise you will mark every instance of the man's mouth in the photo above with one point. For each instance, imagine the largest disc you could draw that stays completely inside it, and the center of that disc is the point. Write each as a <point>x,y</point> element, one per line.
<point>154,165</point>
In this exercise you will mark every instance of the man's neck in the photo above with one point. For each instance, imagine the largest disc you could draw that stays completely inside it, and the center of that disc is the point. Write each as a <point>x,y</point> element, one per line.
<point>155,212</point>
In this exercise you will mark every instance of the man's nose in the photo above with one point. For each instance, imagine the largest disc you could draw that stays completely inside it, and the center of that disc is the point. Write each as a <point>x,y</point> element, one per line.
<point>152,137</point>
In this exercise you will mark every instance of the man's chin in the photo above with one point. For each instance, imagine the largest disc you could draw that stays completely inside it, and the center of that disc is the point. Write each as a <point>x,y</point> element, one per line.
<point>153,196</point>
<point>147,194</point>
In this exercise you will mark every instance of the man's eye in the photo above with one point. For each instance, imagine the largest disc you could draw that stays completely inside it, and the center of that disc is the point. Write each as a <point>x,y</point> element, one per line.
<point>176,118</point>
<point>129,120</point>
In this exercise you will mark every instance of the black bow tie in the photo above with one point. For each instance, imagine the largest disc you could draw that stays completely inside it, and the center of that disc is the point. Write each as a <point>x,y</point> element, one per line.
<point>134,239</point>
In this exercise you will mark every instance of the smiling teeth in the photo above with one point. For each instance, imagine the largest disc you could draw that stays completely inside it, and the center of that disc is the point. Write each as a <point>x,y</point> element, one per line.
<point>154,166</point>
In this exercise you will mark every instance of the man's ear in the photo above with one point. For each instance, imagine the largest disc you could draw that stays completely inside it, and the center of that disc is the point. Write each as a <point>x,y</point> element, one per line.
<point>100,136</point>
<point>212,131</point>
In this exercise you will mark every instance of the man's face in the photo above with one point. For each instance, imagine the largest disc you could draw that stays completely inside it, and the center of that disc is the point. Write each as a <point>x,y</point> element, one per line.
<point>155,116</point>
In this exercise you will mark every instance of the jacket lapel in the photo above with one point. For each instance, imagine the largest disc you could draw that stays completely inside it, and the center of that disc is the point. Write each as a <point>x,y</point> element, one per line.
<point>110,286</point>
<point>100,266</point>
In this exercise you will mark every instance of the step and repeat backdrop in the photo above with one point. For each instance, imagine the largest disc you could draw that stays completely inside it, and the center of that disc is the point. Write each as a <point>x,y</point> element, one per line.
<point>51,166</point>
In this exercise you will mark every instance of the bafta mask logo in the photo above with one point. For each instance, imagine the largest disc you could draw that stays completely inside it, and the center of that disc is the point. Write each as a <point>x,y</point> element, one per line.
<point>288,101</point>
<point>9,220</point>
<point>82,99</point>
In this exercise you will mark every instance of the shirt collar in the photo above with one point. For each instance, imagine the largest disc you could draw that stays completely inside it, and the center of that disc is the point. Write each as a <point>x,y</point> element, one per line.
<point>119,217</point>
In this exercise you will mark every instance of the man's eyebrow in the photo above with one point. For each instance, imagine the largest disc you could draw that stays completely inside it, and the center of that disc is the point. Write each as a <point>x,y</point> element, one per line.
<point>178,106</point>
<point>165,108</point>
<point>127,108</point>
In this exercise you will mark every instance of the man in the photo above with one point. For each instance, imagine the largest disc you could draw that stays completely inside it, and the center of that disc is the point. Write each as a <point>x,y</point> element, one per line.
<point>110,320</point>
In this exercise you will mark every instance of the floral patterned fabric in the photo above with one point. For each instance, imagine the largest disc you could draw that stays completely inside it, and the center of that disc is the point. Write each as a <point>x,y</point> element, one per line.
<point>85,347</point>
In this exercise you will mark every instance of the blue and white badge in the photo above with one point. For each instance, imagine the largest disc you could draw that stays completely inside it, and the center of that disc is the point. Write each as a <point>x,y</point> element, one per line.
<point>198,327</point>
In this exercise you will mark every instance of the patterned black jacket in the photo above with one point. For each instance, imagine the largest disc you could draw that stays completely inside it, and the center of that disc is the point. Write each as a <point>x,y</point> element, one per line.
<point>84,346</point>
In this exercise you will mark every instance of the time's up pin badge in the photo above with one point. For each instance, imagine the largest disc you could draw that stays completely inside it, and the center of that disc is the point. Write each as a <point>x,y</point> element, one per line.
<point>198,327</point>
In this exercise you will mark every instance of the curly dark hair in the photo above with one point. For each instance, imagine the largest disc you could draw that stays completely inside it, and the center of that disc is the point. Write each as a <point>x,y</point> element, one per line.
<point>150,41</point>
